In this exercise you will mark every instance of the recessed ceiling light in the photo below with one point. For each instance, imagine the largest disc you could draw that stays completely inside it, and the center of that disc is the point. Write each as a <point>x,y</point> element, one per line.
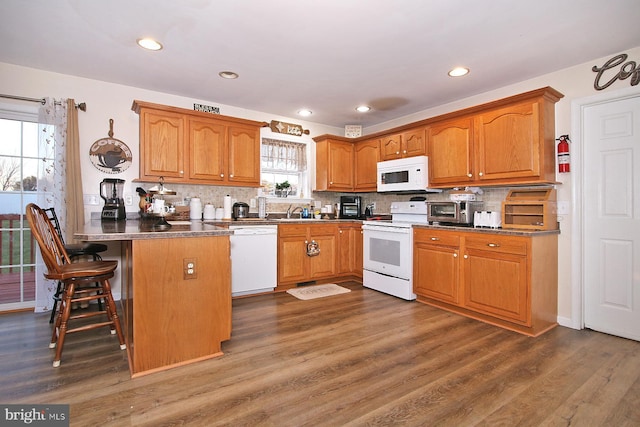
<point>304,112</point>
<point>363,108</point>
<point>149,44</point>
<point>458,72</point>
<point>228,75</point>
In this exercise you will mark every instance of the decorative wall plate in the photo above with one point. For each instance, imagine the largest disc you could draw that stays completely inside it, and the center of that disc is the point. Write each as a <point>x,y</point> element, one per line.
<point>110,155</point>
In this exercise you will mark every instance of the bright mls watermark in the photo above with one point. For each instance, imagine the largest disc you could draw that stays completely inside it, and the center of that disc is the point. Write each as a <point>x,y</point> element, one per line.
<point>34,415</point>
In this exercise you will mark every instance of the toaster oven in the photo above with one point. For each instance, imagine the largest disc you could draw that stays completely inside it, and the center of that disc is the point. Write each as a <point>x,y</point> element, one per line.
<point>452,212</point>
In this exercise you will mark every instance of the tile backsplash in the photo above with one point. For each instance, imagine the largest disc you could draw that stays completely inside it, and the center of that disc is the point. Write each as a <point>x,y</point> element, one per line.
<point>492,197</point>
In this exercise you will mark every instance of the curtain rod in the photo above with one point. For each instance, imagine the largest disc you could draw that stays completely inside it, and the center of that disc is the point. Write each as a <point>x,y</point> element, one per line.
<point>81,106</point>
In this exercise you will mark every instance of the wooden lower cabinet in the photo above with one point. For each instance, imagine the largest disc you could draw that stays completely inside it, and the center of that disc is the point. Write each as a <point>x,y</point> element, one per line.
<point>506,280</point>
<point>294,265</point>
<point>437,266</point>
<point>171,318</point>
<point>350,250</point>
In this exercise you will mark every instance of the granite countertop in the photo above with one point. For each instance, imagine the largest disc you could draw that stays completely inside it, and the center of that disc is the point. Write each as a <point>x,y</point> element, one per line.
<point>504,231</point>
<point>97,230</point>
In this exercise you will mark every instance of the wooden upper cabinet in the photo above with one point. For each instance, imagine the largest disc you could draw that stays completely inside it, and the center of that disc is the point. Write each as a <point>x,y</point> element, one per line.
<point>414,143</point>
<point>192,147</point>
<point>366,154</point>
<point>450,148</point>
<point>509,142</point>
<point>207,150</point>
<point>334,165</point>
<point>391,147</point>
<point>162,145</point>
<point>244,155</point>
<point>406,144</point>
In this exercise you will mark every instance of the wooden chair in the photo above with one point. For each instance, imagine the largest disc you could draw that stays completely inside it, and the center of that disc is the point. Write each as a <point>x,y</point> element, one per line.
<point>77,280</point>
<point>75,252</point>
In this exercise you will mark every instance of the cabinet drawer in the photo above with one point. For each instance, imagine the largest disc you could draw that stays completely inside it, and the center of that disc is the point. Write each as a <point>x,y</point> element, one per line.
<point>292,230</point>
<point>437,237</point>
<point>496,243</point>
<point>322,230</point>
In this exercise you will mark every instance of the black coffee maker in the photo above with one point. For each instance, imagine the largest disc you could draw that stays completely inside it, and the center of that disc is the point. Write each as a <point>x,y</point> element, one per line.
<point>111,191</point>
<point>351,207</point>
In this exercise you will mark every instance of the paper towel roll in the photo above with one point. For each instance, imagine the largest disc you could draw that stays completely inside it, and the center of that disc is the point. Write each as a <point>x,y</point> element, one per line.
<point>227,207</point>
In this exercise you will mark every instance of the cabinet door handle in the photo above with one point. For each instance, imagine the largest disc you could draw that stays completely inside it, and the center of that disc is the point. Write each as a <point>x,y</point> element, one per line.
<point>221,175</point>
<point>181,172</point>
<point>455,255</point>
<point>480,174</point>
<point>435,238</point>
<point>404,151</point>
<point>397,152</point>
<point>465,256</point>
<point>340,231</point>
<point>231,176</point>
<point>493,245</point>
<point>470,175</point>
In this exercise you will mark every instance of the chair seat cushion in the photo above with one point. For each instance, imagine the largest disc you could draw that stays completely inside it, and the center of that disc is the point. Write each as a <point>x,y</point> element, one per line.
<point>83,270</point>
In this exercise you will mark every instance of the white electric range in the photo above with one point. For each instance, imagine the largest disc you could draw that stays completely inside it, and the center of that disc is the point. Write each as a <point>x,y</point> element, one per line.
<point>388,250</point>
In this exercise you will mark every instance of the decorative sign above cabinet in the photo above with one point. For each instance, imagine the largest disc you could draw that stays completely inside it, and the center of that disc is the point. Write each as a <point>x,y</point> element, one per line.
<point>352,131</point>
<point>628,69</point>
<point>288,128</point>
<point>206,108</point>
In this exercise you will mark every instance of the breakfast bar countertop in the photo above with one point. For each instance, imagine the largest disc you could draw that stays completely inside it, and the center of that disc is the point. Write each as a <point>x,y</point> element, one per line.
<point>97,230</point>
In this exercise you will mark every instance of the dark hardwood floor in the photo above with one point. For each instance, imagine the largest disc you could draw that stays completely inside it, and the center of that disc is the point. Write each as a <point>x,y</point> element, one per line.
<point>362,358</point>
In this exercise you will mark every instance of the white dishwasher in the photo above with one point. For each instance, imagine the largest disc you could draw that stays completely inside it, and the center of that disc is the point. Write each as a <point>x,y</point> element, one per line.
<point>254,259</point>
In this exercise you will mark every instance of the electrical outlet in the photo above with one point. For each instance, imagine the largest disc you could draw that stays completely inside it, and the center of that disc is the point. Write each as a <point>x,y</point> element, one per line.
<point>373,205</point>
<point>252,203</point>
<point>128,200</point>
<point>91,199</point>
<point>189,268</point>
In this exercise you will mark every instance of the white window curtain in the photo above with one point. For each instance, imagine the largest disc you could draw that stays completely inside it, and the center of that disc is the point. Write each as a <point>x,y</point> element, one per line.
<point>283,156</point>
<point>52,119</point>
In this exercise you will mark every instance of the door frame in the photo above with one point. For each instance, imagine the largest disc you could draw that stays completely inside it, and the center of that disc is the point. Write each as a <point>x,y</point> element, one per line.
<point>577,189</point>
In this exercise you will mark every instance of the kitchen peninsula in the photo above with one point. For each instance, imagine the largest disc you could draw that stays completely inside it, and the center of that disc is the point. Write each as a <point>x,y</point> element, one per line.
<point>176,290</point>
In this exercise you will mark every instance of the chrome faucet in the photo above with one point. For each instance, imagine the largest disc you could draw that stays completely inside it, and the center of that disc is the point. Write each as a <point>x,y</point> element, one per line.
<point>289,211</point>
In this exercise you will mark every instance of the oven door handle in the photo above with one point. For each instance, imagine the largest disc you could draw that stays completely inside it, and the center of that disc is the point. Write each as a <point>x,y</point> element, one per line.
<point>383,229</point>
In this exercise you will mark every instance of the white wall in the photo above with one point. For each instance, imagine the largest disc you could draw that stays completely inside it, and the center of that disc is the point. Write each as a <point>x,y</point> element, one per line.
<point>107,100</point>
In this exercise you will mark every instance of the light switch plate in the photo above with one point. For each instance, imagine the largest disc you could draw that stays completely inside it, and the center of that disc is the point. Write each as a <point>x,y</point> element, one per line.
<point>563,208</point>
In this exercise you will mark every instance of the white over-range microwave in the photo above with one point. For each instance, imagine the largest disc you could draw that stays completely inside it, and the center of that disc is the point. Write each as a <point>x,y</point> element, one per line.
<point>409,174</point>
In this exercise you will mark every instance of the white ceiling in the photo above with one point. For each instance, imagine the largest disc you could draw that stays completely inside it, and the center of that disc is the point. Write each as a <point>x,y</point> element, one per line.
<point>325,55</point>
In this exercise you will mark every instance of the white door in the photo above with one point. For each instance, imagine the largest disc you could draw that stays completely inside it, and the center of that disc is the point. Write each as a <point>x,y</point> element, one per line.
<point>611,212</point>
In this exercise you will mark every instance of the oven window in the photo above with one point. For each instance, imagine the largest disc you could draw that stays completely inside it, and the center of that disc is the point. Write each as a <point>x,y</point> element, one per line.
<point>443,211</point>
<point>395,177</point>
<point>384,251</point>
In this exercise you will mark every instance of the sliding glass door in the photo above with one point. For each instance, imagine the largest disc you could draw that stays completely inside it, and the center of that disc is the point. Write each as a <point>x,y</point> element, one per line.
<point>21,163</point>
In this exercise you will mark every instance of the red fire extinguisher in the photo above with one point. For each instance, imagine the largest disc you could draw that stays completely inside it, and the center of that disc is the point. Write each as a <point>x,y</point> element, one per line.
<point>564,158</point>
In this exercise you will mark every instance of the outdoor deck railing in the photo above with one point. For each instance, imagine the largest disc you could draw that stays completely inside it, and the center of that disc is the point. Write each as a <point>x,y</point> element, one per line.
<point>14,227</point>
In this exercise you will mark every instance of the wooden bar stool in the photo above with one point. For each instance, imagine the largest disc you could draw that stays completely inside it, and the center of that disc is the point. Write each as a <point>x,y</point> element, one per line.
<point>75,252</point>
<point>78,281</point>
